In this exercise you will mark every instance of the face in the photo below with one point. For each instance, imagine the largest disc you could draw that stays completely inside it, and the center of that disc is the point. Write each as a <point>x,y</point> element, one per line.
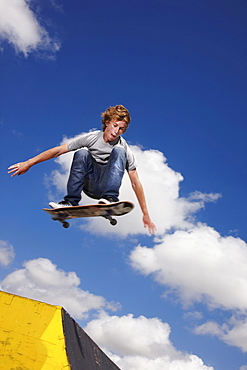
<point>114,129</point>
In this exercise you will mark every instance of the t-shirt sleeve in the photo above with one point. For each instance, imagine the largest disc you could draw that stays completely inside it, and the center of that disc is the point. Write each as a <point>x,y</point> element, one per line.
<point>131,160</point>
<point>82,141</point>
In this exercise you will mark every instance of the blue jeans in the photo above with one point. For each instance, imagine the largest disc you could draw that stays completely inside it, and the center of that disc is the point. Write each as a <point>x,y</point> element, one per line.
<point>95,179</point>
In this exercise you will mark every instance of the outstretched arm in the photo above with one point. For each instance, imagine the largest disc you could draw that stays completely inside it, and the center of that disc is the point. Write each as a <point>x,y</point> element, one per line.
<point>22,167</point>
<point>138,189</point>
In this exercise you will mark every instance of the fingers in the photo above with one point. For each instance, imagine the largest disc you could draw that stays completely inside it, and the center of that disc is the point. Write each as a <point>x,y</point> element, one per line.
<point>11,168</point>
<point>14,169</point>
<point>149,224</point>
<point>151,227</point>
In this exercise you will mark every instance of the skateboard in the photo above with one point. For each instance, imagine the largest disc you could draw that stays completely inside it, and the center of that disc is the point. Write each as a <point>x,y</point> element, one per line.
<point>90,210</point>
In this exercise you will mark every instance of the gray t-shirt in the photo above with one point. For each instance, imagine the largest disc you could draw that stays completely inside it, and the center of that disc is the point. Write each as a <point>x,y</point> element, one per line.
<point>100,150</point>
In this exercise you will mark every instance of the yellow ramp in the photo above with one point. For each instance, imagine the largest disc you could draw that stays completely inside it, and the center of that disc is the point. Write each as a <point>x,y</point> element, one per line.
<point>31,335</point>
<point>36,335</point>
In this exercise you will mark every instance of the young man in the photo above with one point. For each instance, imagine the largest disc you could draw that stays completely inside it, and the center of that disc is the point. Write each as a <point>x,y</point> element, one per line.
<point>99,164</point>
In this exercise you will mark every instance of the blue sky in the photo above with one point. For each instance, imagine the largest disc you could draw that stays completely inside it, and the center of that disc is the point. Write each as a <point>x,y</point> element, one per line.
<point>176,299</point>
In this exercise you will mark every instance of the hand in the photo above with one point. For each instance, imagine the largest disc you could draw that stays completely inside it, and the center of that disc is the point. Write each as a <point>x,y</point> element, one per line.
<point>149,224</point>
<point>18,168</point>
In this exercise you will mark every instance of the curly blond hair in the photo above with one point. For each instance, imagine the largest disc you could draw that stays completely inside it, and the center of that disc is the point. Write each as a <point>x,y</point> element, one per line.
<point>119,112</point>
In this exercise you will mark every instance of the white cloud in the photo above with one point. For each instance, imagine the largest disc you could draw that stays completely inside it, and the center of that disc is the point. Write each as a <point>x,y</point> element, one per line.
<point>7,253</point>
<point>161,186</point>
<point>200,265</point>
<point>190,362</point>
<point>236,334</point>
<point>40,279</point>
<point>233,332</point>
<point>19,26</point>
<point>140,344</point>
<point>150,337</point>
<point>211,328</point>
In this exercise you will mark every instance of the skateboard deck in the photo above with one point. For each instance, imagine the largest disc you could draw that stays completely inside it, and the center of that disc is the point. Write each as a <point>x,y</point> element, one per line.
<point>90,210</point>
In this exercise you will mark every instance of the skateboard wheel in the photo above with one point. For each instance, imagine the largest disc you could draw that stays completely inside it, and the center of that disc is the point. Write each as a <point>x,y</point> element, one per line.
<point>113,222</point>
<point>65,225</point>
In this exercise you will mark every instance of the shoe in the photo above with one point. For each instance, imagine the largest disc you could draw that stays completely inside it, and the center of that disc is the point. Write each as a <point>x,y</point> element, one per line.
<point>106,200</point>
<point>63,203</point>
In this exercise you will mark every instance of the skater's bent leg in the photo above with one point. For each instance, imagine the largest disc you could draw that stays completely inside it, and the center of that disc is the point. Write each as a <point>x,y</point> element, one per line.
<point>81,166</point>
<point>114,173</point>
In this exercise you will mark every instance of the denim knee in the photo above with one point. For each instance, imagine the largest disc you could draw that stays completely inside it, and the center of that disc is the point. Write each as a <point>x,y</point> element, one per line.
<point>81,155</point>
<point>118,151</point>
